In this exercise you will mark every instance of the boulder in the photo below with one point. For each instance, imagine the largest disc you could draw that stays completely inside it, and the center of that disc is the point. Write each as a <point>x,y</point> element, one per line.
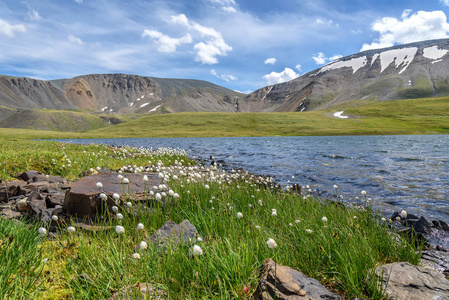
<point>11,189</point>
<point>421,225</point>
<point>284,283</point>
<point>403,280</point>
<point>28,175</point>
<point>36,204</point>
<point>83,198</point>
<point>174,234</point>
<point>437,260</point>
<point>141,291</point>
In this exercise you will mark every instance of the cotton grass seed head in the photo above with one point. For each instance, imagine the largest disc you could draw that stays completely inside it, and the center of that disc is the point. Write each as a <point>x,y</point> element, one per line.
<point>129,204</point>
<point>404,214</point>
<point>140,226</point>
<point>99,185</point>
<point>143,245</point>
<point>54,218</point>
<point>196,250</point>
<point>324,219</point>
<point>42,231</point>
<point>116,196</point>
<point>136,256</point>
<point>71,229</point>
<point>125,180</point>
<point>271,243</point>
<point>103,197</point>
<point>119,216</point>
<point>119,229</point>
<point>309,231</point>
<point>239,215</point>
<point>364,193</point>
<point>115,209</point>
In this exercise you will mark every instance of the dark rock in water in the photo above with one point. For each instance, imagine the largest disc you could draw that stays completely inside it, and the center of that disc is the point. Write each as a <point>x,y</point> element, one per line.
<point>422,225</point>
<point>404,281</point>
<point>83,198</point>
<point>284,283</point>
<point>440,225</point>
<point>174,234</point>
<point>437,260</point>
<point>409,216</point>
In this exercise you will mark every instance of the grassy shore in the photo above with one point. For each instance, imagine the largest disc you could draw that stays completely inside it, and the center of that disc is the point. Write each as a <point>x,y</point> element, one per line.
<point>235,216</point>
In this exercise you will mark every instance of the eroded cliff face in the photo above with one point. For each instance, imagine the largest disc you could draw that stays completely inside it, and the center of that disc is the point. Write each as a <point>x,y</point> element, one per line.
<point>408,71</point>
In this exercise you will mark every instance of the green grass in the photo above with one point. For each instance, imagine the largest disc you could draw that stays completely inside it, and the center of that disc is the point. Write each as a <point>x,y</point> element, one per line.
<point>340,252</point>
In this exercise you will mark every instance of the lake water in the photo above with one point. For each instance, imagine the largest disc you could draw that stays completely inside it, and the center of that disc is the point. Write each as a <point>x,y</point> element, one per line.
<point>397,172</point>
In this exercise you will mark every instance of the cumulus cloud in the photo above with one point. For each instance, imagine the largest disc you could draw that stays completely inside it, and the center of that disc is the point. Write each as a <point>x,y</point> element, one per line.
<point>422,25</point>
<point>165,43</point>
<point>286,75</point>
<point>10,30</point>
<point>34,15</point>
<point>225,77</point>
<point>206,51</point>
<point>79,1</point>
<point>270,61</point>
<point>321,59</point>
<point>75,40</point>
<point>298,67</point>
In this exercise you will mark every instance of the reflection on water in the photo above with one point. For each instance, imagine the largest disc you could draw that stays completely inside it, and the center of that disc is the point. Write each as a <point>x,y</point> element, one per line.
<point>397,172</point>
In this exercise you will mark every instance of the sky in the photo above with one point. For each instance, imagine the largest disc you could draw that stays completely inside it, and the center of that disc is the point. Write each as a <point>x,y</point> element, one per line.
<point>239,44</point>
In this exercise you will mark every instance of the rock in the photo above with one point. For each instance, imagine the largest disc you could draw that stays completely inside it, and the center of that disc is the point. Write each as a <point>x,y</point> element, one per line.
<point>54,199</point>
<point>39,177</point>
<point>10,214</point>
<point>422,225</point>
<point>437,260</point>
<point>441,225</point>
<point>173,234</point>
<point>28,175</point>
<point>11,189</point>
<point>141,291</point>
<point>36,204</point>
<point>83,198</point>
<point>91,227</point>
<point>22,204</point>
<point>41,186</point>
<point>408,282</point>
<point>290,284</point>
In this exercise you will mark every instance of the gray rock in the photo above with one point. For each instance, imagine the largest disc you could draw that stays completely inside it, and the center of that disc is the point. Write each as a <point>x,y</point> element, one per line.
<point>141,291</point>
<point>36,204</point>
<point>28,175</point>
<point>408,282</point>
<point>174,234</point>
<point>10,214</point>
<point>437,260</point>
<point>284,283</point>
<point>422,225</point>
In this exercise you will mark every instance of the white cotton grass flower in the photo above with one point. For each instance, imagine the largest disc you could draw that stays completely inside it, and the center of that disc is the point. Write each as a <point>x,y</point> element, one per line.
<point>120,177</point>
<point>239,215</point>
<point>398,218</point>
<point>403,214</point>
<point>119,216</point>
<point>309,231</point>
<point>199,239</point>
<point>136,255</point>
<point>145,178</point>
<point>175,195</point>
<point>99,185</point>
<point>125,180</point>
<point>324,219</point>
<point>364,193</point>
<point>196,250</point>
<point>158,196</point>
<point>129,204</point>
<point>114,209</point>
<point>274,212</point>
<point>140,226</point>
<point>119,229</point>
<point>257,227</point>
<point>143,245</point>
<point>54,218</point>
<point>116,196</point>
<point>103,197</point>
<point>271,243</point>
<point>206,187</point>
<point>42,231</point>
<point>383,220</point>
<point>71,229</point>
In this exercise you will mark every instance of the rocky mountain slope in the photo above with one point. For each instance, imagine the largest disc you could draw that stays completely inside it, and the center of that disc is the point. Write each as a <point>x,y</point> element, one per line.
<point>116,93</point>
<point>407,71</point>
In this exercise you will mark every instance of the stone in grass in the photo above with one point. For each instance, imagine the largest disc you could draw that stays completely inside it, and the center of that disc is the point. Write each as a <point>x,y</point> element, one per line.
<point>141,291</point>
<point>83,198</point>
<point>290,285</point>
<point>404,281</point>
<point>172,234</point>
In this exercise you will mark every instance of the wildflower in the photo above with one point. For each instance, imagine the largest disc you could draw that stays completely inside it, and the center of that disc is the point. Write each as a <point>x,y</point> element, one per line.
<point>158,196</point>
<point>271,243</point>
<point>404,214</point>
<point>355,217</point>
<point>103,197</point>
<point>383,220</point>
<point>115,209</point>
<point>140,226</point>
<point>290,224</point>
<point>116,196</point>
<point>99,185</point>
<point>239,215</point>
<point>197,250</point>
<point>143,245</point>
<point>98,169</point>
<point>206,186</point>
<point>119,229</point>
<point>119,216</point>
<point>54,218</point>
<point>257,227</point>
<point>145,178</point>
<point>175,195</point>
<point>398,218</point>
<point>136,256</point>
<point>71,229</point>
<point>120,177</point>
<point>297,221</point>
<point>335,186</point>
<point>171,193</point>
<point>324,219</point>
<point>274,213</point>
<point>42,231</point>
<point>309,230</point>
<point>199,239</point>
<point>125,180</point>
<point>364,193</point>
<point>129,204</point>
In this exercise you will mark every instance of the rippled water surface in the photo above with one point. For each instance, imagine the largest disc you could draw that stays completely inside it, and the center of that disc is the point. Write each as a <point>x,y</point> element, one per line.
<point>397,172</point>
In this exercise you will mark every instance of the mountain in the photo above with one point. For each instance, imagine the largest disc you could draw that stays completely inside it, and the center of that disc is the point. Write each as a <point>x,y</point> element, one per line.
<point>413,70</point>
<point>115,93</point>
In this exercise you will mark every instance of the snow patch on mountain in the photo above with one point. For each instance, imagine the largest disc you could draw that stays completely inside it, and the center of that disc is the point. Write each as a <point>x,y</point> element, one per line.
<point>434,52</point>
<point>401,57</point>
<point>354,63</point>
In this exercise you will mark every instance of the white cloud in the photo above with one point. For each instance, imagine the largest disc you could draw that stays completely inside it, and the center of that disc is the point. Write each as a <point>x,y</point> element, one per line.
<point>229,9</point>
<point>445,2</point>
<point>225,77</point>
<point>321,59</point>
<point>79,1</point>
<point>165,43</point>
<point>298,67</point>
<point>34,14</point>
<point>319,21</point>
<point>286,75</point>
<point>270,61</point>
<point>206,51</point>
<point>10,30</point>
<point>75,40</point>
<point>224,2</point>
<point>422,25</point>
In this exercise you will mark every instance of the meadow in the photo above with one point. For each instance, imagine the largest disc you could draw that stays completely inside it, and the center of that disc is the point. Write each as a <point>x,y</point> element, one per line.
<point>235,213</point>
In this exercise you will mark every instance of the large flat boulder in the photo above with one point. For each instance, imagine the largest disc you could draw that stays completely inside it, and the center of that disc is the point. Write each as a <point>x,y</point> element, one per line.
<point>83,198</point>
<point>404,281</point>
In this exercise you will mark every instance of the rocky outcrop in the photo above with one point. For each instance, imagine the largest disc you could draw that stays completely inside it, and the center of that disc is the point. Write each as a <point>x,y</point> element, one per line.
<point>404,281</point>
<point>284,283</point>
<point>172,234</point>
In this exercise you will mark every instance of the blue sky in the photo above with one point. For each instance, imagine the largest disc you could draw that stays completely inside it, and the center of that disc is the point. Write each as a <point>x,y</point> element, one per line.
<point>240,44</point>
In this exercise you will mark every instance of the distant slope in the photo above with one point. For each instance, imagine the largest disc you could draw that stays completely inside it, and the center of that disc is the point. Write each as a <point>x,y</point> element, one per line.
<point>401,72</point>
<point>116,93</point>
